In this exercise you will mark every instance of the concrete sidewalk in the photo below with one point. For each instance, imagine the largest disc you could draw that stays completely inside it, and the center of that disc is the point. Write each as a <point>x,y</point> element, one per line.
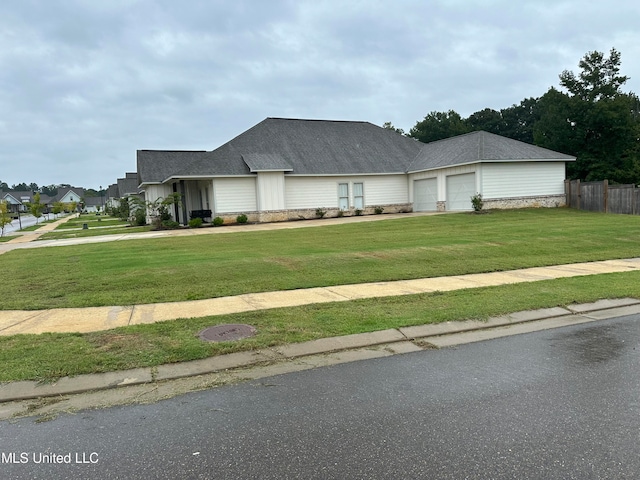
<point>92,319</point>
<point>327,351</point>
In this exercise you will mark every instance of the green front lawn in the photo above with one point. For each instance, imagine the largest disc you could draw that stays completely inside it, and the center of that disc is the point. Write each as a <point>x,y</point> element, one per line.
<point>91,220</point>
<point>206,266</point>
<point>49,356</point>
<point>115,229</point>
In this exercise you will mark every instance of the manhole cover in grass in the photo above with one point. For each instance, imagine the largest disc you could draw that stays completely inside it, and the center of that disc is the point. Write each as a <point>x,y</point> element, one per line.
<point>227,333</point>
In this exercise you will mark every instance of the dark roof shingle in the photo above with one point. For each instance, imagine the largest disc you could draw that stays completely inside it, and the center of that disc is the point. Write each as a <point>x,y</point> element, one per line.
<point>326,147</point>
<point>476,147</point>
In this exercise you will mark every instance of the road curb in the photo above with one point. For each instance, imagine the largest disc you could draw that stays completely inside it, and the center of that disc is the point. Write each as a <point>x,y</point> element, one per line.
<point>440,335</point>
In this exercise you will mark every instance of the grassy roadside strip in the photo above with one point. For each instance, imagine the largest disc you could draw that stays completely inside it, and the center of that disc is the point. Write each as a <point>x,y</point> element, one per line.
<point>49,356</point>
<point>8,237</point>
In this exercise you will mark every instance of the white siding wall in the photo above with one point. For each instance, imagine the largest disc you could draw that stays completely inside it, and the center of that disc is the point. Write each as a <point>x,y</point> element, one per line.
<point>313,192</point>
<point>234,194</point>
<point>522,179</point>
<point>153,192</point>
<point>270,191</point>
<point>68,197</point>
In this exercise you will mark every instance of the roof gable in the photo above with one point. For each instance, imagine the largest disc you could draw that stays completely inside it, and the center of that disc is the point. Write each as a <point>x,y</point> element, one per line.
<point>11,198</point>
<point>70,195</point>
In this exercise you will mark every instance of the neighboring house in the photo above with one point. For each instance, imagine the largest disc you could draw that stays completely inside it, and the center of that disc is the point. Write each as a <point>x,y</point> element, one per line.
<point>128,186</point>
<point>17,200</point>
<point>283,169</point>
<point>69,195</point>
<point>112,197</point>
<point>93,204</point>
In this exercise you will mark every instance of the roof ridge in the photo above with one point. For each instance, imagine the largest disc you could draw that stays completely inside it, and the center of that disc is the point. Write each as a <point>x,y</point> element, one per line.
<point>171,151</point>
<point>317,120</point>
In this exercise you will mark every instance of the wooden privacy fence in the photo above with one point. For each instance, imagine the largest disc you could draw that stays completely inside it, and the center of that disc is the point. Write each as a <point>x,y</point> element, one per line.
<point>602,197</point>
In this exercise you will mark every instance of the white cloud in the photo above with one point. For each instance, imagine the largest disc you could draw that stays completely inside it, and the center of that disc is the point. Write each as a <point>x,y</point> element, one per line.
<point>87,82</point>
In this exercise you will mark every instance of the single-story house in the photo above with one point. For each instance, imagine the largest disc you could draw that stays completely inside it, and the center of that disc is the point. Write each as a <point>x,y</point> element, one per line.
<point>112,197</point>
<point>17,201</point>
<point>93,204</point>
<point>283,169</point>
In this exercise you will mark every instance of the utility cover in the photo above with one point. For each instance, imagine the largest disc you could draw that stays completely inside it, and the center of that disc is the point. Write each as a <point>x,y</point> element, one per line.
<point>227,333</point>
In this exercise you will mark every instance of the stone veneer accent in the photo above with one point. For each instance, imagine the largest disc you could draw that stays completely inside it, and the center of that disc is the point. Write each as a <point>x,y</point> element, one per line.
<point>547,201</point>
<point>309,213</point>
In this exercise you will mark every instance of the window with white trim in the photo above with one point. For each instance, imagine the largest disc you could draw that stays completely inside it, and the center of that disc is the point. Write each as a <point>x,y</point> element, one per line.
<point>343,196</point>
<point>358,196</point>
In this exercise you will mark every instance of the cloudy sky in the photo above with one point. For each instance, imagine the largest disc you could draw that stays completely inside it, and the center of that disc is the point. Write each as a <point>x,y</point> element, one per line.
<point>85,83</point>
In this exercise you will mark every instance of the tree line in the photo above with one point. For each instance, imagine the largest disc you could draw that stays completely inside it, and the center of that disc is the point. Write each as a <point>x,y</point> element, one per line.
<point>590,117</point>
<point>49,190</point>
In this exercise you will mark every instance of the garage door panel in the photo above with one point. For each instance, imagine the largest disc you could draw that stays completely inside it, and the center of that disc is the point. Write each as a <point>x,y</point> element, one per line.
<point>460,189</point>
<point>425,195</point>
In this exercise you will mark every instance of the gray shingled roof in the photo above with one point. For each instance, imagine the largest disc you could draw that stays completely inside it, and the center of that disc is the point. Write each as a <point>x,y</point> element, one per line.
<point>305,147</point>
<point>476,147</point>
<point>155,166</point>
<point>128,185</point>
<point>324,147</point>
<point>94,201</point>
<point>112,191</point>
<point>20,195</point>
<point>265,162</point>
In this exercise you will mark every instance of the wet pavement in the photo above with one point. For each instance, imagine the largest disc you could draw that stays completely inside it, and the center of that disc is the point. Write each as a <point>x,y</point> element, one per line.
<point>555,404</point>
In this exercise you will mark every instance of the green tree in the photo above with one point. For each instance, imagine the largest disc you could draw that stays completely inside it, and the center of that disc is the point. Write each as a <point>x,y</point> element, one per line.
<point>20,187</point>
<point>389,126</point>
<point>5,218</point>
<point>599,77</point>
<point>58,208</point>
<point>519,120</point>
<point>555,129</point>
<point>36,207</point>
<point>594,121</point>
<point>71,207</point>
<point>488,120</point>
<point>159,210</point>
<point>50,190</point>
<point>439,125</point>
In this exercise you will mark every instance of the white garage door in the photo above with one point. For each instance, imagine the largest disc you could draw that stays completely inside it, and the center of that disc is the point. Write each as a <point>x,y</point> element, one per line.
<point>425,195</point>
<point>460,189</point>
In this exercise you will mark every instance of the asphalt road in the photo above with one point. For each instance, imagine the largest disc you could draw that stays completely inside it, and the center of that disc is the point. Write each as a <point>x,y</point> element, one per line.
<point>27,220</point>
<point>556,404</point>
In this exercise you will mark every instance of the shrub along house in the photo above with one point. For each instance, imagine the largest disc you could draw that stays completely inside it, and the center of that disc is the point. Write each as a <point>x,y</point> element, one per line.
<point>284,169</point>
